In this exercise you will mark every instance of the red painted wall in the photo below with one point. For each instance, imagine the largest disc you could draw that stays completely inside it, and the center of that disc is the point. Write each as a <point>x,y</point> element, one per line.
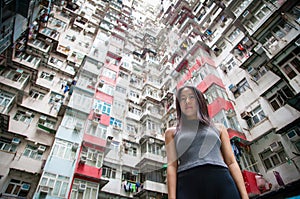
<point>104,97</point>
<point>216,106</point>
<point>208,81</point>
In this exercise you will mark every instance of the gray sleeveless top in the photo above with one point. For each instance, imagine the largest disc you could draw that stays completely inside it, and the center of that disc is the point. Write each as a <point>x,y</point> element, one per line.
<point>197,145</point>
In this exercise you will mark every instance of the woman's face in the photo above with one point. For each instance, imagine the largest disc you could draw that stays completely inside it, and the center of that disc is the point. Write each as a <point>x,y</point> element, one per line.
<point>188,103</point>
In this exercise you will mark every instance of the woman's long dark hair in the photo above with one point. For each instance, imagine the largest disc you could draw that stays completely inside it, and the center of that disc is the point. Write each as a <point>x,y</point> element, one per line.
<point>202,112</point>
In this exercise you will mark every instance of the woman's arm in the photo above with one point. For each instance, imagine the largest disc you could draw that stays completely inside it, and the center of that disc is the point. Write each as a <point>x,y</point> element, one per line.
<point>231,162</point>
<point>172,163</point>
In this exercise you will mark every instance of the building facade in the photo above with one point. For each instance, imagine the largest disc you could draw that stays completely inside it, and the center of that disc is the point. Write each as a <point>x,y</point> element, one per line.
<point>88,90</point>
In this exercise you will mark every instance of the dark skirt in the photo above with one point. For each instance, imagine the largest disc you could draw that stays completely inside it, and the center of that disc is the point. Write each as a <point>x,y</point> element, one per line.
<point>206,182</point>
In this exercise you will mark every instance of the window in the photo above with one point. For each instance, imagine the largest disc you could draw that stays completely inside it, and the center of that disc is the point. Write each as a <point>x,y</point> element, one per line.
<point>257,115</point>
<point>134,110</point>
<point>215,92</point>
<point>128,176</point>
<point>131,128</point>
<point>48,76</point>
<point>234,34</point>
<point>107,89</point>
<point>259,72</point>
<point>119,105</point>
<point>25,117</point>
<point>36,94</point>
<point>153,148</point>
<point>280,97</point>
<point>93,158</point>
<point>151,125</point>
<point>257,15</point>
<point>59,184</point>
<point>109,73</point>
<point>240,6</point>
<point>5,99</point>
<point>16,76</point>
<point>271,40</point>
<point>282,29</point>
<point>231,64</point>
<point>121,89</point>
<point>6,145</point>
<point>63,150</point>
<point>17,188</point>
<point>271,158</point>
<point>291,65</point>
<point>45,122</point>
<point>102,106</point>
<point>32,152</point>
<point>134,94</point>
<point>297,145</point>
<point>242,87</point>
<point>100,131</point>
<point>90,190</point>
<point>129,148</point>
<point>108,172</point>
<point>115,122</point>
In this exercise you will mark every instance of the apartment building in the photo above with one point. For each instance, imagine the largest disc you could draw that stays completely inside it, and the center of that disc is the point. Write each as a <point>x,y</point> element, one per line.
<point>88,91</point>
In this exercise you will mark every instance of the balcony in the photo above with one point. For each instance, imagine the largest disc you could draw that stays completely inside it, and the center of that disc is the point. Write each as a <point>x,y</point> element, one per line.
<point>155,187</point>
<point>148,159</point>
<point>6,101</point>
<point>15,78</point>
<point>55,23</point>
<point>28,60</point>
<point>39,45</point>
<point>51,33</point>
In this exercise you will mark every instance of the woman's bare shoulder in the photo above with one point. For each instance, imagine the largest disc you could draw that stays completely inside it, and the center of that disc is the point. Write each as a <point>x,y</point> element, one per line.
<point>220,126</point>
<point>170,131</point>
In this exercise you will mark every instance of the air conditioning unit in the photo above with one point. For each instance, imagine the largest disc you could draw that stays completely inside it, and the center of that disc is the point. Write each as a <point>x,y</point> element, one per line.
<point>78,126</point>
<point>151,140</point>
<point>25,187</point>
<point>246,115</point>
<point>293,135</point>
<point>275,146</point>
<point>43,118</point>
<point>15,141</point>
<point>45,189</point>
<point>233,88</point>
<point>75,146</point>
<point>97,111</point>
<point>127,145</point>
<point>41,148</point>
<point>81,187</point>
<point>28,114</point>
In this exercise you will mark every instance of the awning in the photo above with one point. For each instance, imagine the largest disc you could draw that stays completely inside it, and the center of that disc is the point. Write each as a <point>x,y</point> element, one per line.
<point>233,134</point>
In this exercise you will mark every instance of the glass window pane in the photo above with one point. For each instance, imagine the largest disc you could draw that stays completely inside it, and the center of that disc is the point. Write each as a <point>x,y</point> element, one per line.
<point>63,189</point>
<point>56,188</point>
<point>267,164</point>
<point>17,189</point>
<point>289,71</point>
<point>275,160</point>
<point>9,188</point>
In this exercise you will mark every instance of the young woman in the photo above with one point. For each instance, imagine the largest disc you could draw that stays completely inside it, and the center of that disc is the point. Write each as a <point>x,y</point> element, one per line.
<point>201,163</point>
